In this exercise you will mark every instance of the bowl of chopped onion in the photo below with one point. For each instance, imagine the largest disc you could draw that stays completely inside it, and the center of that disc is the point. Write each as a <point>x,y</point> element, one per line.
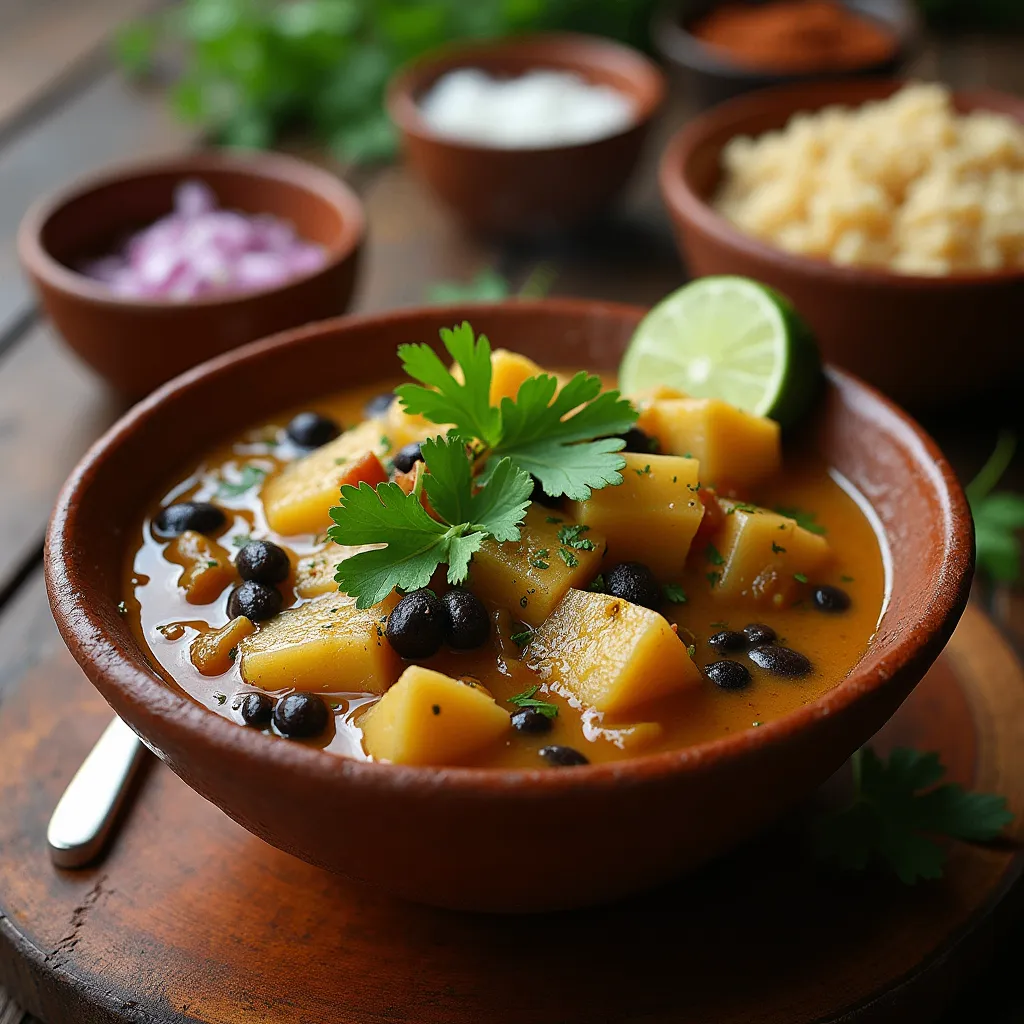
<point>150,268</point>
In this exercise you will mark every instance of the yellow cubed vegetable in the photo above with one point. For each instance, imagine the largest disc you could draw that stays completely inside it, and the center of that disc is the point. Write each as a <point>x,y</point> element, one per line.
<point>633,738</point>
<point>734,449</point>
<point>402,428</point>
<point>508,371</point>
<point>300,497</point>
<point>767,557</point>
<point>207,568</point>
<point>430,718</point>
<point>530,576</point>
<point>651,516</point>
<point>609,654</point>
<point>314,574</point>
<point>324,644</point>
<point>211,652</point>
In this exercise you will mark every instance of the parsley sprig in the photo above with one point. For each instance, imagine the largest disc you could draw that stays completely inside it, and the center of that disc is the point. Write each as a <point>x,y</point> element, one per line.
<point>897,811</point>
<point>560,436</point>
<point>416,542</point>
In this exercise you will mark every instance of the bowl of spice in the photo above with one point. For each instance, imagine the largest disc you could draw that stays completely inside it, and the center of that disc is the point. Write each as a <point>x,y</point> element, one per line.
<point>526,135</point>
<point>148,269</point>
<point>722,49</point>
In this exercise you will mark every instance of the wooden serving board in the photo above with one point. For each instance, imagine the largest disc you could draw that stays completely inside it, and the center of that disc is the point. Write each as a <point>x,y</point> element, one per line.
<point>191,919</point>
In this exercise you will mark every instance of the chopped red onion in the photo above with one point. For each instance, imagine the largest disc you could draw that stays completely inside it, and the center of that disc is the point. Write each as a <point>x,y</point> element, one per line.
<point>200,250</point>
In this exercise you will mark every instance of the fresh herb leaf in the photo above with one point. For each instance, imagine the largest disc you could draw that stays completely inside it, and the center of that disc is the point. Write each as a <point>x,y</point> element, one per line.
<point>526,700</point>
<point>220,698</point>
<point>713,578</point>
<point>568,557</point>
<point>741,506</point>
<point>691,650</point>
<point>674,593</point>
<point>241,539</point>
<point>597,584</point>
<point>998,515</point>
<point>799,577</point>
<point>713,555</point>
<point>807,520</point>
<point>898,809</point>
<point>646,471</point>
<point>520,639</point>
<point>778,549</point>
<point>251,476</point>
<point>540,559</point>
<point>846,579</point>
<point>572,536</point>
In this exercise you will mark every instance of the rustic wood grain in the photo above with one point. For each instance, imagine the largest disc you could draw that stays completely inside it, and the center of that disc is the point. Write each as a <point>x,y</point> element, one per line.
<point>242,932</point>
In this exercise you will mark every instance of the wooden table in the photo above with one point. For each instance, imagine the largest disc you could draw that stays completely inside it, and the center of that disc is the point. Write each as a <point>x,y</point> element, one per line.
<point>64,110</point>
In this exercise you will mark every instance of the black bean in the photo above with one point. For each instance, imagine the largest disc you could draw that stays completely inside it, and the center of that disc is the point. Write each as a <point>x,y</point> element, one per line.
<point>469,624</point>
<point>633,582</point>
<point>256,601</point>
<point>378,405</point>
<point>728,675</point>
<point>541,496</point>
<point>563,757</point>
<point>263,561</point>
<point>407,457</point>
<point>255,708</point>
<point>418,625</point>
<point>301,715</point>
<point>200,516</point>
<point>780,661</point>
<point>530,720</point>
<point>757,633</point>
<point>312,430</point>
<point>830,599</point>
<point>727,641</point>
<point>639,441</point>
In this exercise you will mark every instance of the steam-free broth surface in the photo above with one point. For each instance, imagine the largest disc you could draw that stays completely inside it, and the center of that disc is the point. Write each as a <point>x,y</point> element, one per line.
<point>234,475</point>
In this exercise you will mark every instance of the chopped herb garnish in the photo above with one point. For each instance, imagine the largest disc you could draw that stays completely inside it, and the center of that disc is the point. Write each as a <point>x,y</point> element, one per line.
<point>568,557</point>
<point>553,519</point>
<point>241,539</point>
<point>220,698</point>
<point>522,638</point>
<point>251,476</point>
<point>646,471</point>
<point>572,536</point>
<point>674,479</point>
<point>540,560</point>
<point>233,654</point>
<point>778,549</point>
<point>799,577</point>
<point>713,555</point>
<point>212,563</point>
<point>674,593</point>
<point>385,441</point>
<point>526,700</point>
<point>341,460</point>
<point>998,515</point>
<point>691,650</point>
<point>741,506</point>
<point>807,520</point>
<point>846,579</point>
<point>713,578</point>
<point>597,584</point>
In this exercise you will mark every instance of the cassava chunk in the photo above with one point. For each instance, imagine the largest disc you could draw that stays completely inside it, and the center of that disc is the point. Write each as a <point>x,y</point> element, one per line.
<point>430,718</point>
<point>325,644</point>
<point>207,567</point>
<point>734,449</point>
<point>609,654</point>
<point>314,574</point>
<point>530,576</point>
<point>402,428</point>
<point>651,516</point>
<point>211,652</point>
<point>764,554</point>
<point>300,497</point>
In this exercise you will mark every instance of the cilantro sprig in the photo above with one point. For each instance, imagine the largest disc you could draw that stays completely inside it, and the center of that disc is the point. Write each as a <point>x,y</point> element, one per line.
<point>998,515</point>
<point>898,810</point>
<point>564,437</point>
<point>415,542</point>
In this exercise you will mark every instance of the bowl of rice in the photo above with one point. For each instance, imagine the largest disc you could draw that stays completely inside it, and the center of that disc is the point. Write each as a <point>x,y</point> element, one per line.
<point>890,213</point>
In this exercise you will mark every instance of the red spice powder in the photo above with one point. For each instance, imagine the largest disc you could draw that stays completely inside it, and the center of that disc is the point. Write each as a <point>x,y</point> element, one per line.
<point>795,35</point>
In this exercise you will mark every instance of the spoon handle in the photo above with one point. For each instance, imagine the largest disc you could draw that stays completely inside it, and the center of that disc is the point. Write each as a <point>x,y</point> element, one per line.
<point>85,816</point>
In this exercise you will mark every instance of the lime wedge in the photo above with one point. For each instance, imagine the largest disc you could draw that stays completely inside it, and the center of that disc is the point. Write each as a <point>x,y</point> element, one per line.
<point>728,338</point>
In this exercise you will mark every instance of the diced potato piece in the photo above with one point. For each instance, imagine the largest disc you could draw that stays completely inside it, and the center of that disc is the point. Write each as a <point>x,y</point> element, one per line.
<point>300,497</point>
<point>325,644</point>
<point>651,516</point>
<point>645,402</point>
<point>609,654</point>
<point>211,652</point>
<point>208,568</point>
<point>530,576</point>
<point>733,448</point>
<point>764,554</point>
<point>314,574</point>
<point>430,718</point>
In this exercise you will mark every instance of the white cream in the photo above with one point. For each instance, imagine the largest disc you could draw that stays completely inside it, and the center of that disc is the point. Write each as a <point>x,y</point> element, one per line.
<point>537,109</point>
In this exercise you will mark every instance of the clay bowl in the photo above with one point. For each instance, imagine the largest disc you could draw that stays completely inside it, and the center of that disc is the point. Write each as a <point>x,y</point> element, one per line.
<point>137,344</point>
<point>460,837</point>
<point>925,341</point>
<point>708,76</point>
<point>516,192</point>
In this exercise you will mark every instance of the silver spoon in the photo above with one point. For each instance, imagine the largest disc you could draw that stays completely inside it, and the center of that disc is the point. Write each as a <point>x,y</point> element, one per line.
<point>86,813</point>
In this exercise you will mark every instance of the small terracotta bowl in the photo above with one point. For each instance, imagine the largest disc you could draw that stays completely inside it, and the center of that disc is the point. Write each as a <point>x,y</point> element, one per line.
<point>137,344</point>
<point>925,341</point>
<point>460,837</point>
<point>515,192</point>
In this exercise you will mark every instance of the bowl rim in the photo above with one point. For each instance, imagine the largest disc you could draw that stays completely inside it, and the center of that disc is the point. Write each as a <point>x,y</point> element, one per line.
<point>684,202</point>
<point>107,663</point>
<point>274,168</point>
<point>412,77</point>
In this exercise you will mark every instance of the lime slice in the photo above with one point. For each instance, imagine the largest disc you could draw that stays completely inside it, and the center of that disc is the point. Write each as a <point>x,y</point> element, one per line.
<point>728,338</point>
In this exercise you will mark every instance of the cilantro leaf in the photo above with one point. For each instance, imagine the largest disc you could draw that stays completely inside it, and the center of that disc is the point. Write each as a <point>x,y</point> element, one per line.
<point>997,515</point>
<point>807,520</point>
<point>898,809</point>
<point>251,476</point>
<point>499,507</point>
<point>674,593</point>
<point>527,700</point>
<point>466,404</point>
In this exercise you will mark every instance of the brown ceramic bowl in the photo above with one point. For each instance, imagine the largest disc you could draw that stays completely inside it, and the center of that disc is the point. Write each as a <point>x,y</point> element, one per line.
<point>469,837</point>
<point>527,191</point>
<point>137,344</point>
<point>925,341</point>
